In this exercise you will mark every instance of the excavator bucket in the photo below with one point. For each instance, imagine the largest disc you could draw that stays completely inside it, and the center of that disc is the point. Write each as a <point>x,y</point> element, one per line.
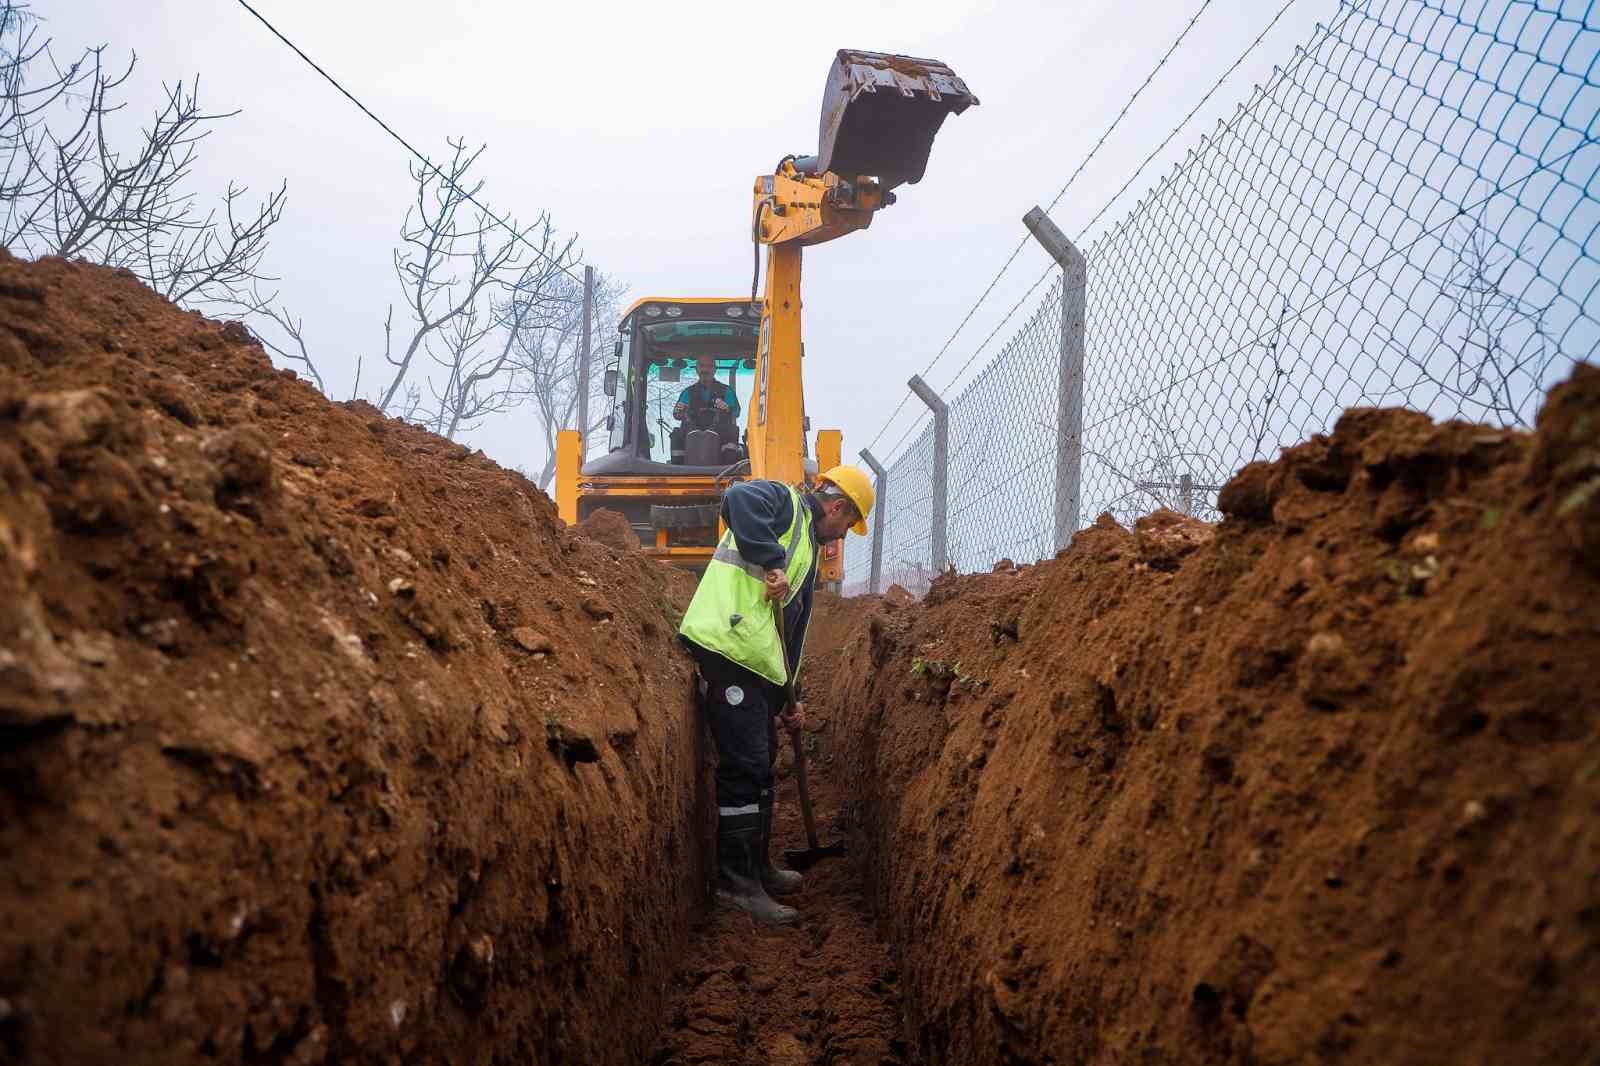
<point>880,114</point>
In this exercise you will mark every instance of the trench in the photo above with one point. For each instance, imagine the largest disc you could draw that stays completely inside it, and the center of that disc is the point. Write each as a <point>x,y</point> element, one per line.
<point>323,740</point>
<point>1315,783</point>
<point>822,990</point>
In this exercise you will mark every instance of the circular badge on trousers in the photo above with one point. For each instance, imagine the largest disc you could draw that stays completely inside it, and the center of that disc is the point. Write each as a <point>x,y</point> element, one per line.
<point>734,696</point>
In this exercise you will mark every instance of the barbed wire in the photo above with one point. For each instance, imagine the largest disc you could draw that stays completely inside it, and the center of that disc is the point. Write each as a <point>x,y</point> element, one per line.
<point>1073,177</point>
<point>1127,184</point>
<point>1340,290</point>
<point>1405,212</point>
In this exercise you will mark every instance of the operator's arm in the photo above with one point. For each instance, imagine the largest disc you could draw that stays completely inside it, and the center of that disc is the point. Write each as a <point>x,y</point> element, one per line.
<point>732,400</point>
<point>758,513</point>
<point>681,408</point>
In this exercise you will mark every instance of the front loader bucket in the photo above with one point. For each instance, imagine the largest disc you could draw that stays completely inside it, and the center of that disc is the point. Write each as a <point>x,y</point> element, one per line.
<point>880,114</point>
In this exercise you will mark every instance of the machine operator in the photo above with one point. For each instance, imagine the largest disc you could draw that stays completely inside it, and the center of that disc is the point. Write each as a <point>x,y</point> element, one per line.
<point>709,403</point>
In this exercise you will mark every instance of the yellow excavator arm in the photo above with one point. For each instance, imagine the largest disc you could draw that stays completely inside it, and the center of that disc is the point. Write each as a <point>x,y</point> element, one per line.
<point>879,116</point>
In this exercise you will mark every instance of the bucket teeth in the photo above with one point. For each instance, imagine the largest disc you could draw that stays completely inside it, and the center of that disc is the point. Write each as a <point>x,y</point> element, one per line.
<point>868,70</point>
<point>888,135</point>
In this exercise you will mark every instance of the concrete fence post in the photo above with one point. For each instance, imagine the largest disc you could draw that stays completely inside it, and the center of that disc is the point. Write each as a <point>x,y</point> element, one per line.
<point>1069,386</point>
<point>583,355</point>
<point>879,511</point>
<point>941,469</point>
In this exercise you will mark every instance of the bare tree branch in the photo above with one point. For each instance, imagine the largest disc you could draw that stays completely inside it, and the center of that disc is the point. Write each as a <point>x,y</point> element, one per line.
<point>480,384</point>
<point>293,349</point>
<point>548,360</point>
<point>68,189</point>
<point>1274,383</point>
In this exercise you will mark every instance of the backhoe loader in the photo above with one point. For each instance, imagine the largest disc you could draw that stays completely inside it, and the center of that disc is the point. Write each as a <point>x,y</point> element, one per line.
<point>880,114</point>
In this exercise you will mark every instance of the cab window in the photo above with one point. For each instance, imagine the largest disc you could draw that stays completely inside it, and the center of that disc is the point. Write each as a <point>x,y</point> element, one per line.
<point>668,353</point>
<point>665,383</point>
<point>621,390</point>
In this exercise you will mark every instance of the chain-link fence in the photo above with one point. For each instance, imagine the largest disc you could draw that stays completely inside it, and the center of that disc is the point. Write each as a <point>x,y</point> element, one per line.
<point>1407,213</point>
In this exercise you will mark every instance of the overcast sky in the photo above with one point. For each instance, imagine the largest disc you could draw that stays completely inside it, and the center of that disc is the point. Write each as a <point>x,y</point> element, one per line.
<point>640,127</point>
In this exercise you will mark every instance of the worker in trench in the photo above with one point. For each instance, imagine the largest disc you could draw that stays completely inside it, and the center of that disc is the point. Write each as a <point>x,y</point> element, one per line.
<point>768,556</point>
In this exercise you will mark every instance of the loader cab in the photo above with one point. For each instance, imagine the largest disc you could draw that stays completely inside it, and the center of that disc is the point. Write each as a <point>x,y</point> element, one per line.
<point>653,365</point>
<point>666,491</point>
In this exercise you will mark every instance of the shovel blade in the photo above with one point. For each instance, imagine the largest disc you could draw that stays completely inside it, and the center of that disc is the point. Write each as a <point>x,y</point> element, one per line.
<point>803,859</point>
<point>880,113</point>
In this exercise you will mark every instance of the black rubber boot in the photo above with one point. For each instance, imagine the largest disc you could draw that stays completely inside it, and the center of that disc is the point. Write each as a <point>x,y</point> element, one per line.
<point>739,860</point>
<point>775,879</point>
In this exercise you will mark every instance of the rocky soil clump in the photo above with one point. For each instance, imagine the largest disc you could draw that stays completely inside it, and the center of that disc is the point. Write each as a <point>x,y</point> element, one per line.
<point>321,738</point>
<point>1317,784</point>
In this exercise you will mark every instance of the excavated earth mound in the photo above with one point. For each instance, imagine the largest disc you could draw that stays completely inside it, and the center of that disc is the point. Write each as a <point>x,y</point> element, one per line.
<point>321,738</point>
<point>1318,784</point>
<point>610,528</point>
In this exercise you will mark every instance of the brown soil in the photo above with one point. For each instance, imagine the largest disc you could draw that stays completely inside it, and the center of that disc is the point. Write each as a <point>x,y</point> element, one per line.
<point>1318,784</point>
<point>321,739</point>
<point>899,596</point>
<point>823,990</point>
<point>610,528</point>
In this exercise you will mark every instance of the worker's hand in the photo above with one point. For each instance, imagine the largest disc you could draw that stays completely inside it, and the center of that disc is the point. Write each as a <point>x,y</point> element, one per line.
<point>796,718</point>
<point>777,585</point>
<point>678,410</point>
<point>722,405</point>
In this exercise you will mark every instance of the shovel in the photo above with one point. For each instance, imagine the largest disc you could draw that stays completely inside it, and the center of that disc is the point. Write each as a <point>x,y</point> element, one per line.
<point>801,859</point>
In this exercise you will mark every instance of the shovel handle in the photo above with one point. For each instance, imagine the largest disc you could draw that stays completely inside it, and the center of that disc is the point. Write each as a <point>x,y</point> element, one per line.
<point>806,815</point>
<point>804,785</point>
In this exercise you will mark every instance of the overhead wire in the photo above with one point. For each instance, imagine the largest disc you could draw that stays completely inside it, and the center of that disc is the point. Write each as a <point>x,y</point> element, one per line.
<point>1021,244</point>
<point>390,130</point>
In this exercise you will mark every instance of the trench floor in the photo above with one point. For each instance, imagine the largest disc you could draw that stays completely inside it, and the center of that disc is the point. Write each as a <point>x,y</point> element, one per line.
<point>823,990</point>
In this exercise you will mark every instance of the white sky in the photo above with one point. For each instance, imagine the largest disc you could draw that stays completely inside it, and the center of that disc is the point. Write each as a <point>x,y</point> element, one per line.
<point>640,127</point>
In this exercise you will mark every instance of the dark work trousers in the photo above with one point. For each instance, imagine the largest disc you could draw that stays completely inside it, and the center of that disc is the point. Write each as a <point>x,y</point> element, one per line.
<point>741,708</point>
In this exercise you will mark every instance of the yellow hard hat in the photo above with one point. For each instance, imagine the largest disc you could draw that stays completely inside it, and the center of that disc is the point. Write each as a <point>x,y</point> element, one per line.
<point>854,483</point>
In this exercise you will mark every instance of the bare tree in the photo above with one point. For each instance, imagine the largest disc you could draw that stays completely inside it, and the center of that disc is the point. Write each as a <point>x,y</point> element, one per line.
<point>484,379</point>
<point>70,189</point>
<point>474,289</point>
<point>22,102</point>
<point>547,362</point>
<point>409,407</point>
<point>1162,470</point>
<point>454,263</point>
<point>292,349</point>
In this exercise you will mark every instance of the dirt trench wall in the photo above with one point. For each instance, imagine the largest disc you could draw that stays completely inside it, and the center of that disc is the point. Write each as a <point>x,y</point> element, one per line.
<point>321,739</point>
<point>1319,784</point>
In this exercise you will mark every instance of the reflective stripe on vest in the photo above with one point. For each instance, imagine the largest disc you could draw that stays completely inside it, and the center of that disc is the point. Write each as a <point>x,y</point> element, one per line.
<point>728,552</point>
<point>730,614</point>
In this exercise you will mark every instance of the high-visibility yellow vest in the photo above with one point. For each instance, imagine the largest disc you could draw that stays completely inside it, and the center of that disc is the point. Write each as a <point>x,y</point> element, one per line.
<point>730,614</point>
